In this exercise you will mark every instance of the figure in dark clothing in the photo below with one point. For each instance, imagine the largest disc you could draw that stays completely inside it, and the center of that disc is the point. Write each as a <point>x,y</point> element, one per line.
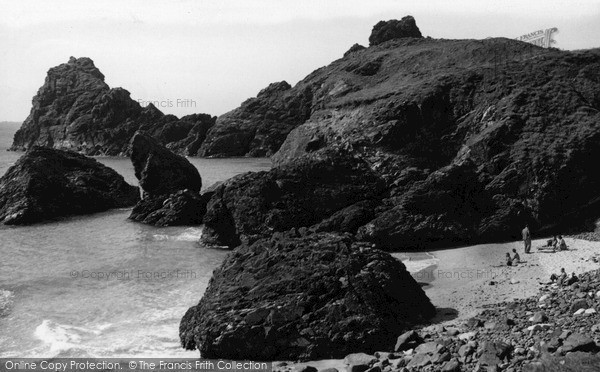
<point>572,279</point>
<point>526,238</point>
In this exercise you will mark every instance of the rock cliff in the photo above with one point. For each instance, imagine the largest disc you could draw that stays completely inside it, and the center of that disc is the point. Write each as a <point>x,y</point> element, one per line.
<point>469,139</point>
<point>309,296</point>
<point>46,184</point>
<point>76,110</point>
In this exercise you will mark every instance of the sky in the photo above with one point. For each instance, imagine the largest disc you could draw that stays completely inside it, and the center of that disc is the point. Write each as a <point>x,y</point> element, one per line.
<point>213,55</point>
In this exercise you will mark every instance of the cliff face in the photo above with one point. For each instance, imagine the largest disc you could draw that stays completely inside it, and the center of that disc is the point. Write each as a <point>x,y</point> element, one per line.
<point>76,110</point>
<point>260,124</point>
<point>471,139</point>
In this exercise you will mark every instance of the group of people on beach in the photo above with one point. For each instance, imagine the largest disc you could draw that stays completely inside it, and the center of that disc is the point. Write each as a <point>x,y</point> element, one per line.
<point>562,279</point>
<point>557,243</point>
<point>514,259</point>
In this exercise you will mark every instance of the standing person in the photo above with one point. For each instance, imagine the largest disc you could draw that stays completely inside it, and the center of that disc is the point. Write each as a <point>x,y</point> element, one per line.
<point>526,238</point>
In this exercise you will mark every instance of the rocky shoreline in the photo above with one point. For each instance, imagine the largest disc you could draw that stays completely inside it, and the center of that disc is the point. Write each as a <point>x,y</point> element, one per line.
<point>410,144</point>
<point>556,330</point>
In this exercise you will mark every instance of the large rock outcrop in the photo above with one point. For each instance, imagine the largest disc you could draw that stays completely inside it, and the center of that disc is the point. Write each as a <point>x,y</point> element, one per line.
<point>46,184</point>
<point>301,194</point>
<point>260,124</point>
<point>304,297</point>
<point>394,29</point>
<point>169,182</point>
<point>76,110</point>
<point>470,139</point>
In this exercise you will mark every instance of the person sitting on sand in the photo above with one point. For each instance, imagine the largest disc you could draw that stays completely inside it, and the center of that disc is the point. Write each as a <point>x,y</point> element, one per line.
<point>559,278</point>
<point>562,245</point>
<point>508,260</point>
<point>516,258</point>
<point>572,279</point>
<point>552,242</point>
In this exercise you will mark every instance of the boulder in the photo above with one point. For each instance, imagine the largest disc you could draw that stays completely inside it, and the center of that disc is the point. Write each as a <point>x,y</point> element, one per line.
<point>170,185</point>
<point>579,304</point>
<point>359,362</point>
<point>326,296</point>
<point>183,207</point>
<point>493,353</point>
<point>408,340</point>
<point>451,366</point>
<point>578,342</point>
<point>46,184</point>
<point>394,29</point>
<point>159,170</point>
<point>538,317</point>
<point>427,348</point>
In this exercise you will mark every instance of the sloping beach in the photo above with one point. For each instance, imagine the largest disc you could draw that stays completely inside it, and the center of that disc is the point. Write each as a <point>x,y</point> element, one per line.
<point>463,280</point>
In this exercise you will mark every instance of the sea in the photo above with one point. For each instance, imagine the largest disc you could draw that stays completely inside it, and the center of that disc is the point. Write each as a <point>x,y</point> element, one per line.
<point>101,285</point>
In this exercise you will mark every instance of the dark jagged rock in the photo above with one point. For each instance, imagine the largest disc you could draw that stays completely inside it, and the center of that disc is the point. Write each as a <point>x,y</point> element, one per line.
<point>160,171</point>
<point>180,208</point>
<point>259,125</point>
<point>327,184</point>
<point>304,297</point>
<point>394,29</point>
<point>354,48</point>
<point>170,183</point>
<point>470,149</point>
<point>46,184</point>
<point>76,110</point>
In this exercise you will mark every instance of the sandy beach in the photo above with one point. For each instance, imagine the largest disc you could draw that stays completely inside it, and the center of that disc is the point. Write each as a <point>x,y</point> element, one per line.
<point>463,280</point>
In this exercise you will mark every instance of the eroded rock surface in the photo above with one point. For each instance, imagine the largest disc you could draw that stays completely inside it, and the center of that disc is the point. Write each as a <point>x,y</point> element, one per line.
<point>170,184</point>
<point>310,296</point>
<point>45,184</point>
<point>76,110</point>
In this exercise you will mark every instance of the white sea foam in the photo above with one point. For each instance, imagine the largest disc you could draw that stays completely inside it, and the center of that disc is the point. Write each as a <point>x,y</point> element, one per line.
<point>61,338</point>
<point>191,234</point>
<point>418,261</point>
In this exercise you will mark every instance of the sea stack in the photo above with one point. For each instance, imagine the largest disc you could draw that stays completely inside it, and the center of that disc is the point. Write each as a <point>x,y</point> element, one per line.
<point>76,110</point>
<point>170,185</point>
<point>46,184</point>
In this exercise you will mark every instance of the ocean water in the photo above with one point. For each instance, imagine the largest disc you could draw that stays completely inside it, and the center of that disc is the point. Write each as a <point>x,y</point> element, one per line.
<point>100,285</point>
